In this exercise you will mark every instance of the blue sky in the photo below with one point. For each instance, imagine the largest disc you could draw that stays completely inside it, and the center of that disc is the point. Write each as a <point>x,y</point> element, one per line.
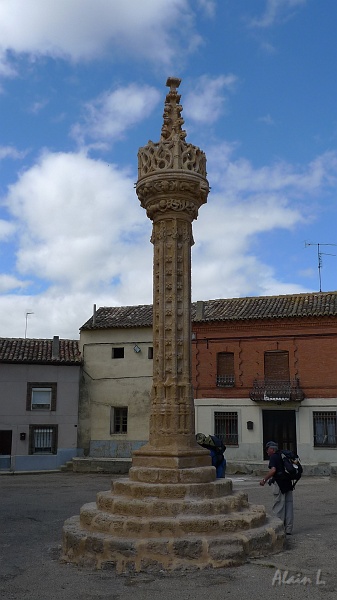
<point>82,87</point>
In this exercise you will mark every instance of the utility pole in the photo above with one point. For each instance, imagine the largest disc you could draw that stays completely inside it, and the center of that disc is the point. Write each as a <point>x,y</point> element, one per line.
<point>319,258</point>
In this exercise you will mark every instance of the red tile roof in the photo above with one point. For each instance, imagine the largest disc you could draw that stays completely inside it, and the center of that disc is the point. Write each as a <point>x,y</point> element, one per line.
<point>18,350</point>
<point>313,305</point>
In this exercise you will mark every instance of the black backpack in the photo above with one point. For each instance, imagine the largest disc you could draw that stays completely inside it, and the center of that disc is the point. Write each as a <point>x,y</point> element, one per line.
<point>292,466</point>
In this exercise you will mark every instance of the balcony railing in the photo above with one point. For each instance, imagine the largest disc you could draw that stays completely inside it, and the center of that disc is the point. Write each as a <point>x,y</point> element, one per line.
<point>276,391</point>
<point>227,381</point>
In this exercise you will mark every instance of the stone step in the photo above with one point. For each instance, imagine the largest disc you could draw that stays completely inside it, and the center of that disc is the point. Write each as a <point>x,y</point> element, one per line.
<point>96,550</point>
<point>93,519</point>
<point>67,467</point>
<point>149,506</point>
<point>133,489</point>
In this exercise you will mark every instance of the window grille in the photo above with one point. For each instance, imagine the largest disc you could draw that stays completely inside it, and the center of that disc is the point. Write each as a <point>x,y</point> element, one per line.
<point>43,439</point>
<point>226,427</point>
<point>325,429</point>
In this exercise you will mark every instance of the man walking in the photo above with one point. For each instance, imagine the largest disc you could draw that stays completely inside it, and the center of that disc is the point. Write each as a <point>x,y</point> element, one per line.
<point>282,487</point>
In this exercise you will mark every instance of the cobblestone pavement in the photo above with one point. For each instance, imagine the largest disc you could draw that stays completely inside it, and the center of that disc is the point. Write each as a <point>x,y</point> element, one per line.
<point>33,509</point>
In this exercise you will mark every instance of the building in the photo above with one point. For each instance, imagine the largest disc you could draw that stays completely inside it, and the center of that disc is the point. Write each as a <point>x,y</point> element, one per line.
<point>263,368</point>
<point>116,346</point>
<point>39,391</point>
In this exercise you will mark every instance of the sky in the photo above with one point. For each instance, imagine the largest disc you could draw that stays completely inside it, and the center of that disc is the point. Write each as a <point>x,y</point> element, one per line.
<point>82,87</point>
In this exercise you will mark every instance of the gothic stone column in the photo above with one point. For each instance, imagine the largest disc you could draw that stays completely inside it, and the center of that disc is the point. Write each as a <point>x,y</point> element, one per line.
<point>171,187</point>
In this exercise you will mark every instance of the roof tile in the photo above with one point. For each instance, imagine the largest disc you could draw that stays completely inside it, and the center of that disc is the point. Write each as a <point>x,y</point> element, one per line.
<point>19,350</point>
<point>311,305</point>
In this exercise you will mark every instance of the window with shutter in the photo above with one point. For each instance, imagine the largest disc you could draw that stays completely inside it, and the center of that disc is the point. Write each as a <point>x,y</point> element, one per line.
<point>225,369</point>
<point>276,366</point>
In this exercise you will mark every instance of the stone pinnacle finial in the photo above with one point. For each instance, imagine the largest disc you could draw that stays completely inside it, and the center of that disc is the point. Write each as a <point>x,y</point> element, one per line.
<point>172,112</point>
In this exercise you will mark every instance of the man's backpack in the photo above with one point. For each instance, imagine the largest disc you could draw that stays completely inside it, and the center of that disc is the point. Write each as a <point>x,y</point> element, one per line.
<point>292,466</point>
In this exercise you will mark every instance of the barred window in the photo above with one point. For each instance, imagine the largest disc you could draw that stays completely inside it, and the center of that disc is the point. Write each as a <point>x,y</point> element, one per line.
<point>225,369</point>
<point>43,439</point>
<point>119,419</point>
<point>226,427</point>
<point>325,429</point>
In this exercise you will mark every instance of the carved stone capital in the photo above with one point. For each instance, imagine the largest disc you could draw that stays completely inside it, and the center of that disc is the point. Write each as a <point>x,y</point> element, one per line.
<point>172,193</point>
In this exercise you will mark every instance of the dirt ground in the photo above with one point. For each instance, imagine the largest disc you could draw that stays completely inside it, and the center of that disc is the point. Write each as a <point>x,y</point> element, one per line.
<point>34,507</point>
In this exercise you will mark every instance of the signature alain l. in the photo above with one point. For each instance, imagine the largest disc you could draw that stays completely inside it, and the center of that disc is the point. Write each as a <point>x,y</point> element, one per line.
<point>283,578</point>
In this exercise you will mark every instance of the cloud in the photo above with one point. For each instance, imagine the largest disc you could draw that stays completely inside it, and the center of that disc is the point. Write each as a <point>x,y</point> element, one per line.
<point>206,101</point>
<point>11,152</point>
<point>108,116</point>
<point>267,119</point>
<point>245,203</point>
<point>154,30</point>
<point>6,230</point>
<point>9,283</point>
<point>82,237</point>
<point>276,11</point>
<point>208,6</point>
<point>77,220</point>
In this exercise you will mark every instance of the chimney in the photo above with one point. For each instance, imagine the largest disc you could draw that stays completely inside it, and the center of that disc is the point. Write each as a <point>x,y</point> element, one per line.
<point>94,316</point>
<point>200,310</point>
<point>56,347</point>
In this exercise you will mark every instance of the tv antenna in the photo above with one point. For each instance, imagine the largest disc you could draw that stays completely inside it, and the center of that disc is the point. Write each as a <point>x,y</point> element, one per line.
<point>319,258</point>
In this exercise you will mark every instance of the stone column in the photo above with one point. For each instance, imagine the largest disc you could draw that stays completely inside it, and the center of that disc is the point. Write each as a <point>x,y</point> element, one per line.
<point>171,187</point>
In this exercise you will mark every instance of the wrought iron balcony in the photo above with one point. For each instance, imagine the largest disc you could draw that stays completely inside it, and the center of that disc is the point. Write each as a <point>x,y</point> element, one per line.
<point>276,391</point>
<point>227,381</point>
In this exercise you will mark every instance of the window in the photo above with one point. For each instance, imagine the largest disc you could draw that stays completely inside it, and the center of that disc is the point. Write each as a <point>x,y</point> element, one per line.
<point>276,366</point>
<point>225,369</point>
<point>43,439</point>
<point>226,427</point>
<point>41,396</point>
<point>150,352</point>
<point>325,429</point>
<point>119,419</point>
<point>117,353</point>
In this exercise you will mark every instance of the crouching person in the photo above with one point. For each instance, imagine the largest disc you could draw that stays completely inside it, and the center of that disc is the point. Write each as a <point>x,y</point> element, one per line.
<point>217,449</point>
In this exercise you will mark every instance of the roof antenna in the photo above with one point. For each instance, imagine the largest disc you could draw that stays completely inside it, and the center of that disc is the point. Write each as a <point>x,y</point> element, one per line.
<point>319,257</point>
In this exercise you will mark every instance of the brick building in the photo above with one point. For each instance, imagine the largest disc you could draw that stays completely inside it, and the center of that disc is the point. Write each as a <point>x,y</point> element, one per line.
<point>265,368</point>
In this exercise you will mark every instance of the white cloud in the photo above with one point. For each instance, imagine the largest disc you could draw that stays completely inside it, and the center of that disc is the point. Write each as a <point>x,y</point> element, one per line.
<point>78,219</point>
<point>108,116</point>
<point>155,30</point>
<point>208,6</point>
<point>6,229</point>
<point>267,119</point>
<point>244,203</point>
<point>9,283</point>
<point>277,11</point>
<point>11,152</point>
<point>207,100</point>
<point>81,231</point>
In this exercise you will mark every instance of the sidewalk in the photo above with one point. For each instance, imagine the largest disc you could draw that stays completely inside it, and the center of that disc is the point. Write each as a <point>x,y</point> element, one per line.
<point>34,507</point>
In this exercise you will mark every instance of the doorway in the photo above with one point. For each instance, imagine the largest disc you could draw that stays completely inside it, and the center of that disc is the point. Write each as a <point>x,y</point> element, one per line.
<point>280,427</point>
<point>5,442</point>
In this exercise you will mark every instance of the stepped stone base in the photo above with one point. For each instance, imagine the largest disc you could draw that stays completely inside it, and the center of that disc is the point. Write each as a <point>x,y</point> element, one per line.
<point>142,526</point>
